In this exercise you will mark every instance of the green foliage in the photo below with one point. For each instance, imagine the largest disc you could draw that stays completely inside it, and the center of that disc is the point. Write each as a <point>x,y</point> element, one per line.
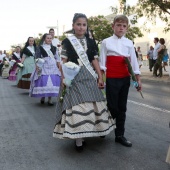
<point>15,45</point>
<point>61,38</point>
<point>101,27</point>
<point>37,39</point>
<point>134,32</point>
<point>153,9</point>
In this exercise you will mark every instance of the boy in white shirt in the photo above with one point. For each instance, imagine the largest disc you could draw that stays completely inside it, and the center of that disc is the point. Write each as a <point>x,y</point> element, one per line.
<point>55,41</point>
<point>112,61</point>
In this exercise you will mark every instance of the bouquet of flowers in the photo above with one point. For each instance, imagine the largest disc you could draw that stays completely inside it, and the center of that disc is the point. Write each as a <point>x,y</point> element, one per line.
<point>135,83</point>
<point>20,65</point>
<point>12,62</point>
<point>40,62</point>
<point>70,70</point>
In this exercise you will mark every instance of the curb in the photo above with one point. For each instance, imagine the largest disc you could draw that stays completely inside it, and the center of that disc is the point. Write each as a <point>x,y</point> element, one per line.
<point>156,80</point>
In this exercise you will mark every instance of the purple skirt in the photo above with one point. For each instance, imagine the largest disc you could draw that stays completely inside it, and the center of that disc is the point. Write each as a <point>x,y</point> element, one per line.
<point>12,76</point>
<point>13,71</point>
<point>45,86</point>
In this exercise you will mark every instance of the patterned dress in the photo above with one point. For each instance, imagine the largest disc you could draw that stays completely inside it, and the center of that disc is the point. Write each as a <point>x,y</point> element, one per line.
<point>5,68</point>
<point>24,73</point>
<point>47,83</point>
<point>13,71</point>
<point>83,112</point>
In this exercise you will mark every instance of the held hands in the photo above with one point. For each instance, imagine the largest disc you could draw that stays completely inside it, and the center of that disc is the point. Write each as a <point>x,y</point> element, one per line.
<point>62,82</point>
<point>100,83</point>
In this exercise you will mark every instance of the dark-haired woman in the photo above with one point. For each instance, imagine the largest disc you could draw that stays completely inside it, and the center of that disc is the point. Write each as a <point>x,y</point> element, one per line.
<point>28,62</point>
<point>161,52</point>
<point>45,80</point>
<point>82,112</point>
<point>16,57</point>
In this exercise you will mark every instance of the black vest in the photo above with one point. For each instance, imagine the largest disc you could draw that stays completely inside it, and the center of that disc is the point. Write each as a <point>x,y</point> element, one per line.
<point>71,53</point>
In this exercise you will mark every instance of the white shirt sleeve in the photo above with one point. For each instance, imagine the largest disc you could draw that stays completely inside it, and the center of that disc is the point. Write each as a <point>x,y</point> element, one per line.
<point>103,54</point>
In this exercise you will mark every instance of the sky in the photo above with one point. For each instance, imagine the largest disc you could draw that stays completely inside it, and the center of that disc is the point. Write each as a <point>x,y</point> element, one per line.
<point>20,19</point>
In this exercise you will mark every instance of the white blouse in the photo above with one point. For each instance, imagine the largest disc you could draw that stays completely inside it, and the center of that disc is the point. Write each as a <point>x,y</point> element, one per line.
<point>31,48</point>
<point>17,55</point>
<point>47,48</point>
<point>114,46</point>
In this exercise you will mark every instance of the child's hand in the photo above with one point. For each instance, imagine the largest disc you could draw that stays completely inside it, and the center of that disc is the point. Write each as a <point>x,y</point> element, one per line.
<point>37,68</point>
<point>139,88</point>
<point>100,83</point>
<point>62,82</point>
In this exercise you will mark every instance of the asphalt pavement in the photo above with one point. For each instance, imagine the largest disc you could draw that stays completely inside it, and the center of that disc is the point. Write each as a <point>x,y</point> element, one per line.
<point>26,141</point>
<point>147,75</point>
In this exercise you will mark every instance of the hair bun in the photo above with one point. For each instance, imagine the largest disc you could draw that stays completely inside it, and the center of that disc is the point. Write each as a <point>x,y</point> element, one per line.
<point>78,15</point>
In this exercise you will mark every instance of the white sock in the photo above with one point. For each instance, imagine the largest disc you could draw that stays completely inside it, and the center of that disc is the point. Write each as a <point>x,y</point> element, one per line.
<point>79,142</point>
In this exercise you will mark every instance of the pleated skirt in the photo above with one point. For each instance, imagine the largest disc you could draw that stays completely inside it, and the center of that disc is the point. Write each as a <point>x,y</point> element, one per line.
<point>83,111</point>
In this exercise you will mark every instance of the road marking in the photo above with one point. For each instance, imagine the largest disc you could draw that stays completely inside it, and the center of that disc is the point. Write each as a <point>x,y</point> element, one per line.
<point>148,106</point>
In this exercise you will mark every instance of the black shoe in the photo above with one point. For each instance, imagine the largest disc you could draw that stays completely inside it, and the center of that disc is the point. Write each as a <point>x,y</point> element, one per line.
<point>79,148</point>
<point>102,137</point>
<point>122,140</point>
<point>50,104</point>
<point>42,101</point>
<point>84,143</point>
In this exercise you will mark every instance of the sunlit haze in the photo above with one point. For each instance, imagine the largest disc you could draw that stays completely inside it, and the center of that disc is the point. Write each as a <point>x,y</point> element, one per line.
<point>22,18</point>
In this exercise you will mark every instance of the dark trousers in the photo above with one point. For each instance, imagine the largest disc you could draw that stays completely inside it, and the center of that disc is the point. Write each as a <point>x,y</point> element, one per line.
<point>150,64</point>
<point>157,66</point>
<point>117,93</point>
<point>1,65</point>
<point>153,62</point>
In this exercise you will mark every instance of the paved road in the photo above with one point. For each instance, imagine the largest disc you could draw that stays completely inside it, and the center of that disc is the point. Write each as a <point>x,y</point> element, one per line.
<point>26,141</point>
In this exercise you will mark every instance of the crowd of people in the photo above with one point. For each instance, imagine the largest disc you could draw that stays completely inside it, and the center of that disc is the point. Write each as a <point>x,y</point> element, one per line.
<point>157,56</point>
<point>74,74</point>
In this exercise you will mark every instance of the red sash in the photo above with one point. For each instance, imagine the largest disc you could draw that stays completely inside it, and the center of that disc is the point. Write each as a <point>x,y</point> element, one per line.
<point>116,67</point>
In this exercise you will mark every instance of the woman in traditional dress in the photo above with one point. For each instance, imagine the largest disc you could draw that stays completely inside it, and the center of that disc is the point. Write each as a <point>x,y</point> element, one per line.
<point>27,58</point>
<point>45,80</point>
<point>6,66</point>
<point>82,111</point>
<point>16,56</point>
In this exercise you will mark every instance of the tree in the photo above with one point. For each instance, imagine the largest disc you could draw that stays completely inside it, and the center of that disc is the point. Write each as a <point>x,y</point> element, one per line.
<point>100,26</point>
<point>152,9</point>
<point>61,38</point>
<point>15,45</point>
<point>37,39</point>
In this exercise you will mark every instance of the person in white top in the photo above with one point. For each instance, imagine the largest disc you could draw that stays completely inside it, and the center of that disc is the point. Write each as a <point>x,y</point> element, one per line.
<point>140,57</point>
<point>114,51</point>
<point>55,41</point>
<point>155,51</point>
<point>1,57</point>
